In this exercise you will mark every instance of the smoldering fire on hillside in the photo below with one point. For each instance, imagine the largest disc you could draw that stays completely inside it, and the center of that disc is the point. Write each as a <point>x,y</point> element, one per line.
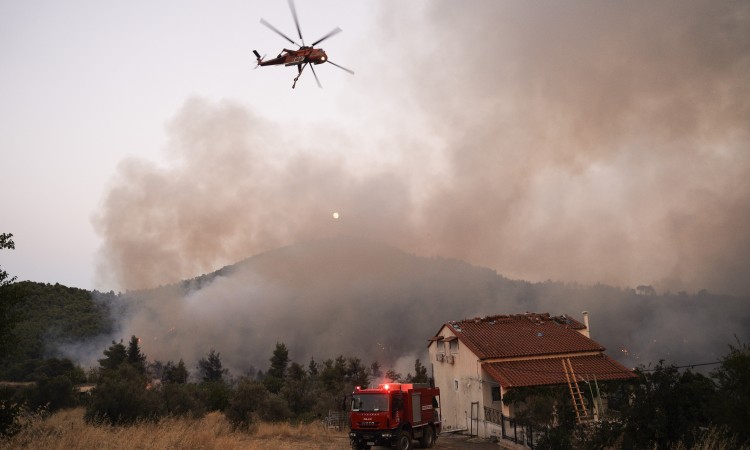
<point>359,298</point>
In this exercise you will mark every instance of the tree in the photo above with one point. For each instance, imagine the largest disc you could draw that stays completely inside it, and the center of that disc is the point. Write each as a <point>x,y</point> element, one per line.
<point>312,368</point>
<point>52,393</point>
<point>210,369</point>
<point>356,373</point>
<point>420,373</point>
<point>733,383</point>
<point>6,242</point>
<point>182,399</point>
<point>249,398</point>
<point>134,355</point>
<point>392,376</point>
<point>115,355</point>
<point>296,372</point>
<point>667,407</point>
<point>332,375</point>
<point>176,374</point>
<point>121,397</point>
<point>274,380</point>
<point>8,316</point>
<point>297,390</point>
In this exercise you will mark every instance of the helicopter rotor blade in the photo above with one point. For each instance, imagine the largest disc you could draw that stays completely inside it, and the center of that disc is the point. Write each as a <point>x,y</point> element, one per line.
<point>316,76</point>
<point>337,30</point>
<point>341,67</point>
<point>274,29</point>
<point>296,21</point>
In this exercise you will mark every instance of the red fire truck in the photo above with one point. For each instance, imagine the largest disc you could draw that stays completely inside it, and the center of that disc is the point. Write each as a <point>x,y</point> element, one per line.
<point>394,415</point>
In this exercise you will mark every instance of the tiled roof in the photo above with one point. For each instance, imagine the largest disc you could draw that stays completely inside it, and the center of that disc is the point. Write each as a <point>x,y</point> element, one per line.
<point>549,371</point>
<point>529,334</point>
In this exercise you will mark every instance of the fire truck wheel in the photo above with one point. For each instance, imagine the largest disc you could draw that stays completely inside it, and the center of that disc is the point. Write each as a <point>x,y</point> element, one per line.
<point>428,438</point>
<point>404,441</point>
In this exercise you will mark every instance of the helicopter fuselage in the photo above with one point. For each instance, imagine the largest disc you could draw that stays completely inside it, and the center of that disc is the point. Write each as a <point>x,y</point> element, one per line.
<point>298,57</point>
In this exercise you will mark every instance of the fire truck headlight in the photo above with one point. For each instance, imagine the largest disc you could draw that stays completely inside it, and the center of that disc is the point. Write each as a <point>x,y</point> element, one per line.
<point>386,435</point>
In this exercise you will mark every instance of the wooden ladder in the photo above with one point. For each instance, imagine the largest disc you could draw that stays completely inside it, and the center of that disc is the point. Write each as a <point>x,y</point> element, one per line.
<point>582,414</point>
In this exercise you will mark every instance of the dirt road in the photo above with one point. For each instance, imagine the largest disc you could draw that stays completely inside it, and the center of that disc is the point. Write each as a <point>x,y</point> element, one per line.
<point>459,442</point>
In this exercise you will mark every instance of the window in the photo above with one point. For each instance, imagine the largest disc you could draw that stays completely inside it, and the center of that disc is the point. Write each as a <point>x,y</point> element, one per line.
<point>369,402</point>
<point>451,344</point>
<point>455,385</point>
<point>496,397</point>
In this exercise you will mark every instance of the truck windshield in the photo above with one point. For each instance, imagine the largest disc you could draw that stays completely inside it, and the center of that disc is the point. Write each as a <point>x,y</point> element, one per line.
<point>369,402</point>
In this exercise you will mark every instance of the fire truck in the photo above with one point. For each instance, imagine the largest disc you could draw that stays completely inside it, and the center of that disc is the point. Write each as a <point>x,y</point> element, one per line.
<point>394,415</point>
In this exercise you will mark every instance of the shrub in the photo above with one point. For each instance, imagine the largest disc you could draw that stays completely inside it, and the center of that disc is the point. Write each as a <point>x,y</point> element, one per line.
<point>182,400</point>
<point>121,397</point>
<point>249,397</point>
<point>214,395</point>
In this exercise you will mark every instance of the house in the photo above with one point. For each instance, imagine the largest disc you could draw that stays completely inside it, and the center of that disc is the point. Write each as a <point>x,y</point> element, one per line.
<point>477,361</point>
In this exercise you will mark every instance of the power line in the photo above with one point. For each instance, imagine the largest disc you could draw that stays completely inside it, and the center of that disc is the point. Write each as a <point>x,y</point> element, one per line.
<point>685,366</point>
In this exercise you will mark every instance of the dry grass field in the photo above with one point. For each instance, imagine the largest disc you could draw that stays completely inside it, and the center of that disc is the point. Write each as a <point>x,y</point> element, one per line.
<point>67,430</point>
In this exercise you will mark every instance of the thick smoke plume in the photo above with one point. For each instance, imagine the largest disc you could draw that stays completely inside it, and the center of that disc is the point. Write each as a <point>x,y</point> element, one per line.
<point>591,142</point>
<point>596,143</point>
<point>575,141</point>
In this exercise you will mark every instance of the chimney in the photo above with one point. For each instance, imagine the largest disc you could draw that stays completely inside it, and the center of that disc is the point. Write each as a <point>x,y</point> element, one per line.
<point>587,331</point>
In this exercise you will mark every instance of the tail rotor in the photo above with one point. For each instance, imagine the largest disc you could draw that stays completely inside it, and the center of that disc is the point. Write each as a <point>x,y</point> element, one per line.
<point>259,58</point>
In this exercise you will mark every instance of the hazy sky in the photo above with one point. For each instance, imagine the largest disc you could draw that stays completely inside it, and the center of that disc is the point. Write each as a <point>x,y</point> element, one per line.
<point>579,141</point>
<point>87,84</point>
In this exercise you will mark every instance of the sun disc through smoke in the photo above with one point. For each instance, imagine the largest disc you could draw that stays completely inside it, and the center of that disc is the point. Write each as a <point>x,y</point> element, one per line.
<point>335,215</point>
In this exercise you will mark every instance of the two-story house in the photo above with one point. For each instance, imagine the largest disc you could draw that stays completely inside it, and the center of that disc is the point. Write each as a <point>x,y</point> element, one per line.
<point>477,361</point>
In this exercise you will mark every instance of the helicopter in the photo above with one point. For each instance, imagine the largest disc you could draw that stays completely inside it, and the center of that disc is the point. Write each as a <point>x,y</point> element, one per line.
<point>305,55</point>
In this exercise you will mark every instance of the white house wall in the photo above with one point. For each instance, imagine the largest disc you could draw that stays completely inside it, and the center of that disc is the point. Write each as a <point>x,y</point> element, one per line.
<point>474,385</point>
<point>460,384</point>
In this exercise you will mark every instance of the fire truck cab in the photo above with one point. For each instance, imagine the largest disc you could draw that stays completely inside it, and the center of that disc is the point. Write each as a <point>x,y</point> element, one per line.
<point>394,415</point>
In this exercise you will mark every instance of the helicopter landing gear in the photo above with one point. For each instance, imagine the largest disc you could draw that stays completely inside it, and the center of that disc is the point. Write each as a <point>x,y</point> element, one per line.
<point>300,68</point>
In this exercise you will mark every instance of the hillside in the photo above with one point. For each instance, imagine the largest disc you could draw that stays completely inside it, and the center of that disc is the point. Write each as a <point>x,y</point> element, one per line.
<point>50,316</point>
<point>357,297</point>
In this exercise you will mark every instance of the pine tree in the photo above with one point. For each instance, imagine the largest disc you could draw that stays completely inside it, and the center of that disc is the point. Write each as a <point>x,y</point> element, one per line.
<point>115,355</point>
<point>312,368</point>
<point>420,373</point>
<point>279,361</point>
<point>177,374</point>
<point>274,379</point>
<point>134,355</point>
<point>210,369</point>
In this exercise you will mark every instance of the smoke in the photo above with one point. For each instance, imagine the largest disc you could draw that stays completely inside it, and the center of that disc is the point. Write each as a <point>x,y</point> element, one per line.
<point>576,141</point>
<point>591,142</point>
<point>233,189</point>
<point>324,298</point>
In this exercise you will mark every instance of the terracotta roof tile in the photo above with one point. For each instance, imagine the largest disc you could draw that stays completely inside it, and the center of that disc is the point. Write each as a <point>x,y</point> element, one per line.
<point>549,371</point>
<point>529,334</point>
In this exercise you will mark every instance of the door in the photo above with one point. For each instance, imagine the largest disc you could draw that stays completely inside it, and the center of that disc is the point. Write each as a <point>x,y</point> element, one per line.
<point>474,422</point>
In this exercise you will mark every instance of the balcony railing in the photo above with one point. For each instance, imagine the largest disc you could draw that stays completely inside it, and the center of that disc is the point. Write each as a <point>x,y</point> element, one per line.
<point>511,430</point>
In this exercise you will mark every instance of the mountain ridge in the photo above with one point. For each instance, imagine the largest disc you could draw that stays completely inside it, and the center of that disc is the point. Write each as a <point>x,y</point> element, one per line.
<point>352,296</point>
